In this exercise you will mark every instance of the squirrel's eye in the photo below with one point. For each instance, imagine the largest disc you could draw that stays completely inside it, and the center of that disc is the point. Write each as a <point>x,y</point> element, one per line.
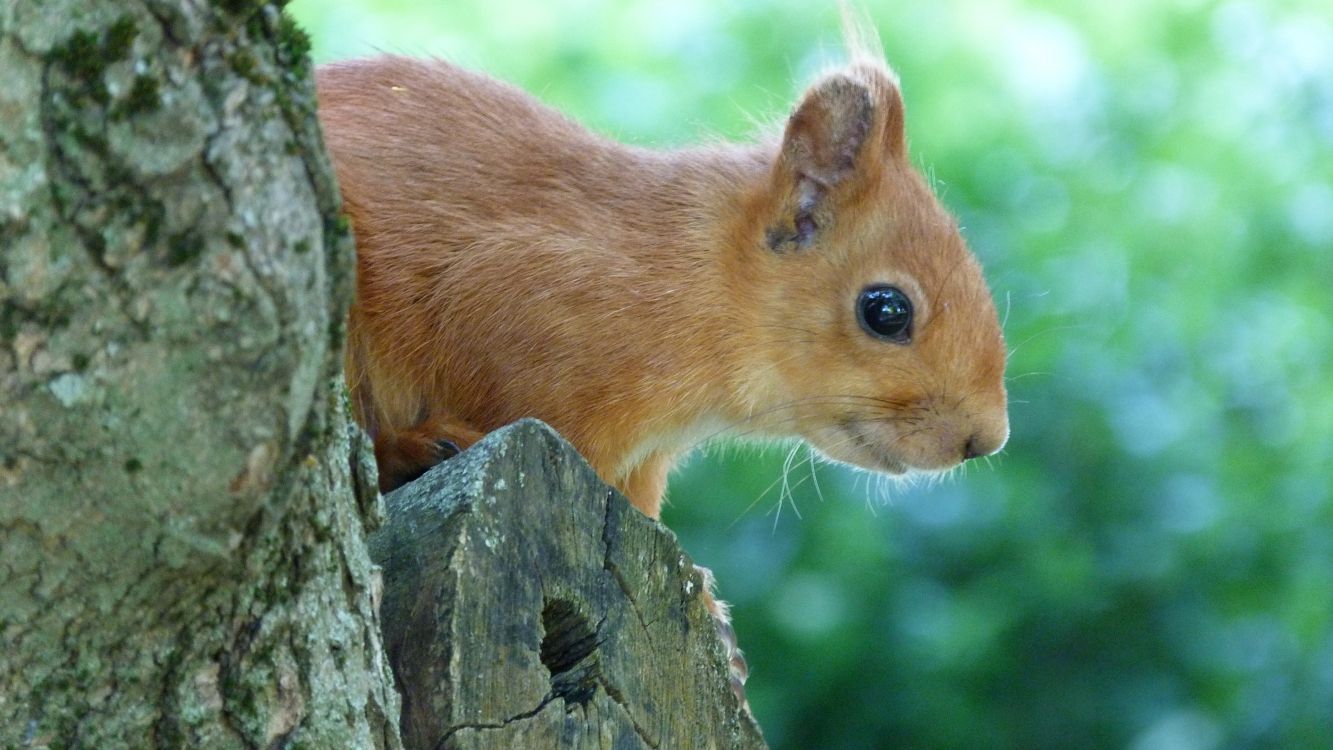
<point>886,313</point>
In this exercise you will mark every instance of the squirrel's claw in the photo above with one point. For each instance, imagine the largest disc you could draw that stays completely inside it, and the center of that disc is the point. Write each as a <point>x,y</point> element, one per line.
<point>446,449</point>
<point>737,667</point>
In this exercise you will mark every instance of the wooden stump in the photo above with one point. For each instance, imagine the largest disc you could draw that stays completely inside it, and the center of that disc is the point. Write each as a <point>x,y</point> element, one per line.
<point>528,605</point>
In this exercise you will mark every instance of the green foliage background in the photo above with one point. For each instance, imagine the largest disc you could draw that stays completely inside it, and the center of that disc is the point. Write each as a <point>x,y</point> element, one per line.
<point>1149,564</point>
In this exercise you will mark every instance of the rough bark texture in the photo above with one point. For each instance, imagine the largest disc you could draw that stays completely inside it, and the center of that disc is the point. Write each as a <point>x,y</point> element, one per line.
<point>528,605</point>
<point>182,558</point>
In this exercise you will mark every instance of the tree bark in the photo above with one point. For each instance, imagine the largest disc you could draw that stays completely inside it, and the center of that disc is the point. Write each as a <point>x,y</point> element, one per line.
<point>182,556</point>
<point>529,605</point>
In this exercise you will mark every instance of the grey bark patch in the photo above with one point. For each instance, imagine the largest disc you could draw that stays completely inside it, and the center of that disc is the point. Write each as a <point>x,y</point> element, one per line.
<point>527,604</point>
<point>164,138</point>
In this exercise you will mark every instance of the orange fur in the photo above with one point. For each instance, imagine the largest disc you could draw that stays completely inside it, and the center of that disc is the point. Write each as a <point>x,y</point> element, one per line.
<point>513,264</point>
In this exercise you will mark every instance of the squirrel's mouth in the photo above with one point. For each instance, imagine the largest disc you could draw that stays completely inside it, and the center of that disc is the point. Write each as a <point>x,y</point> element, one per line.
<point>849,442</point>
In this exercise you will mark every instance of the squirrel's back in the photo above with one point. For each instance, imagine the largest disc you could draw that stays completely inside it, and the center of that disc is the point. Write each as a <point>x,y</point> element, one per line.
<point>510,262</point>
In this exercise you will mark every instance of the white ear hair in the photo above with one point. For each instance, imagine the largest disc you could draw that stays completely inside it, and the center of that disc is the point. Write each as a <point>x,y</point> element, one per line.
<point>861,38</point>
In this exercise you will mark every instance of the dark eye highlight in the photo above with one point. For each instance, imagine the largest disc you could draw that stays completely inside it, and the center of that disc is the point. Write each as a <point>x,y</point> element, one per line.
<point>885,312</point>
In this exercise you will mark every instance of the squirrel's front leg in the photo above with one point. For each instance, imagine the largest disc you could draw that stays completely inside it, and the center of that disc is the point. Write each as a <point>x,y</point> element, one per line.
<point>646,484</point>
<point>405,455</point>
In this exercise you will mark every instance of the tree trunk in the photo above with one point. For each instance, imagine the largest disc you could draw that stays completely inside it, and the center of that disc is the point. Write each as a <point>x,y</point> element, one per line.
<point>529,605</point>
<point>181,530</point>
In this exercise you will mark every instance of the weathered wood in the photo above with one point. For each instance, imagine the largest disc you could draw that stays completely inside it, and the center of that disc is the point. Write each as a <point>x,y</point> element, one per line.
<point>528,605</point>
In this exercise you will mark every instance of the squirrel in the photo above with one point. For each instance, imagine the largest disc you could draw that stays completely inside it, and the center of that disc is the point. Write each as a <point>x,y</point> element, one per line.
<point>511,263</point>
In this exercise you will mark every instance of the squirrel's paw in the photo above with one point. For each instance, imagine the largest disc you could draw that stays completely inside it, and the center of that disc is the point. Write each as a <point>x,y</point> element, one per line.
<point>413,457</point>
<point>404,456</point>
<point>737,667</point>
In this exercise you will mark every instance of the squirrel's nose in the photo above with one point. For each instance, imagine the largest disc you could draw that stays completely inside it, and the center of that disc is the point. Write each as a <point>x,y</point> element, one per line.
<point>970,449</point>
<point>980,445</point>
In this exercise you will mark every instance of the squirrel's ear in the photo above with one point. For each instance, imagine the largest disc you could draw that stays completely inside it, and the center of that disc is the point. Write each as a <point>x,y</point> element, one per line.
<point>838,137</point>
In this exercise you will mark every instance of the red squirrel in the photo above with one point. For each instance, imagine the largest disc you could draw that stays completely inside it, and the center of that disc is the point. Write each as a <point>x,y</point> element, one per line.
<point>512,264</point>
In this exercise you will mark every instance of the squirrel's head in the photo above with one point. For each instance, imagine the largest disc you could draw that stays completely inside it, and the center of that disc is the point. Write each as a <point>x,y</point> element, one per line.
<point>875,336</point>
